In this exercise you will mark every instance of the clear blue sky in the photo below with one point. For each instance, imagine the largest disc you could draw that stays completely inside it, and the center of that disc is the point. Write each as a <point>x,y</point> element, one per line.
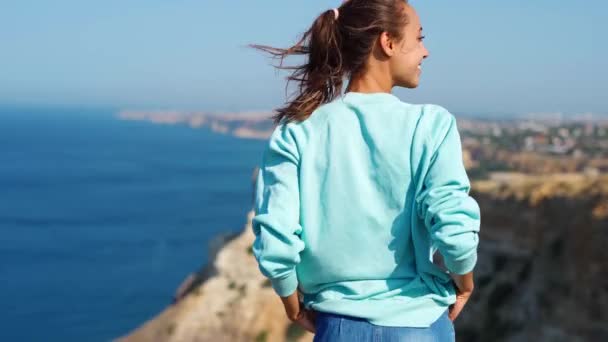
<point>485,55</point>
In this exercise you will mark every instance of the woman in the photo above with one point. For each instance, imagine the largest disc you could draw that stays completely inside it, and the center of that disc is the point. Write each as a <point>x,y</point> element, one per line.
<point>358,191</point>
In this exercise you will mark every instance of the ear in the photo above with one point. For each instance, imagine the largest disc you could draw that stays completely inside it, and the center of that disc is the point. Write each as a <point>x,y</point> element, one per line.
<point>386,43</point>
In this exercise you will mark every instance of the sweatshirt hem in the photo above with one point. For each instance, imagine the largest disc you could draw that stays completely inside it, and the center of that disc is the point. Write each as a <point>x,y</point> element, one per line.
<point>390,312</point>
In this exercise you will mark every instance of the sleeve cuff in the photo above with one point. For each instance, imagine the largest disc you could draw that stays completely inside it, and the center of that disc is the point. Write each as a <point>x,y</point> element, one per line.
<point>461,266</point>
<point>286,286</point>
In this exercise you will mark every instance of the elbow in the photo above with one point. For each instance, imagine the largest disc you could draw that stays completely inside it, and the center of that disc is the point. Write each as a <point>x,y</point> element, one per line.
<point>277,254</point>
<point>455,231</point>
<point>458,245</point>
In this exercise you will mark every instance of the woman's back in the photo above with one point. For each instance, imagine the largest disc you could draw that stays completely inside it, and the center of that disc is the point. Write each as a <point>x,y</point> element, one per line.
<point>349,224</point>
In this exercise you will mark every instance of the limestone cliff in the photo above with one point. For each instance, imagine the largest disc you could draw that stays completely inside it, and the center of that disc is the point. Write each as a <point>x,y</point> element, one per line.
<point>541,273</point>
<point>227,301</point>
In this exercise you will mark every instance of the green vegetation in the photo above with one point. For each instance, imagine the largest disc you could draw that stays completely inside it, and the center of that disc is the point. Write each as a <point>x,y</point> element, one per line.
<point>262,336</point>
<point>294,332</point>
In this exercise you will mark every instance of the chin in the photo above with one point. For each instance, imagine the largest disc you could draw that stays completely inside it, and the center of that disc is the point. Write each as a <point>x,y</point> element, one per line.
<point>411,83</point>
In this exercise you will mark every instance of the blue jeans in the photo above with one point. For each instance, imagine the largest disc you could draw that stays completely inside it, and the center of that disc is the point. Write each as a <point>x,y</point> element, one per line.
<point>331,327</point>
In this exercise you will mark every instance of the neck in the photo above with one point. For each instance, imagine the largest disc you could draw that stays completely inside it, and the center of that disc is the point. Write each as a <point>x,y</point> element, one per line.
<point>369,84</point>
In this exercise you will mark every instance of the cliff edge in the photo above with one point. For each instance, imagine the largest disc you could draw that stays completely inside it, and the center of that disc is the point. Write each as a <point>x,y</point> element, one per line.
<point>541,273</point>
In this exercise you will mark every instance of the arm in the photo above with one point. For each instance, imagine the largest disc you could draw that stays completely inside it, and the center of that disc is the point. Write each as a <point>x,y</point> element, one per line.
<point>464,289</point>
<point>451,216</point>
<point>464,282</point>
<point>276,223</point>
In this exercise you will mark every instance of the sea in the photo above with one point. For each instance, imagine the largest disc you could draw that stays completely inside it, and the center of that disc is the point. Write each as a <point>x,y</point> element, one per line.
<point>101,219</point>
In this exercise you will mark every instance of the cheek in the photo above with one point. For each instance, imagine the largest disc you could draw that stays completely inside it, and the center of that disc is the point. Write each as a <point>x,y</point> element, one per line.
<point>410,63</point>
<point>409,57</point>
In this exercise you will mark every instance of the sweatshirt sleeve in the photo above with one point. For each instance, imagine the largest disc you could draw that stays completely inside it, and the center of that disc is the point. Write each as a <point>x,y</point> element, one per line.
<point>276,223</point>
<point>449,213</point>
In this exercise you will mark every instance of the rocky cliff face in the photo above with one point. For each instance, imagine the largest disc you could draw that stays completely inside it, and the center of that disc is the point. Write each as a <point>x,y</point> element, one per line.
<point>543,265</point>
<point>228,300</point>
<point>541,273</point>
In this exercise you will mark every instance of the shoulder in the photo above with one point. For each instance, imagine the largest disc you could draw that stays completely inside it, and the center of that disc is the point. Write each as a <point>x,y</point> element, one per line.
<point>436,115</point>
<point>299,133</point>
<point>287,139</point>
<point>435,121</point>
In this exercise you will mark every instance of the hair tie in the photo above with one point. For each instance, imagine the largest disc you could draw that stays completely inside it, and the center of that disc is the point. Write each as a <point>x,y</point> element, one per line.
<point>336,14</point>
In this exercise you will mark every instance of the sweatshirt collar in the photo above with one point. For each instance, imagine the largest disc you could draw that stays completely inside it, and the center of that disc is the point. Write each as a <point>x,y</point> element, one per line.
<point>368,97</point>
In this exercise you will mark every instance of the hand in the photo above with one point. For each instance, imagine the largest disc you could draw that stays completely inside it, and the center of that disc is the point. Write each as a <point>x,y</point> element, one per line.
<point>461,299</point>
<point>297,313</point>
<point>464,286</point>
<point>306,319</point>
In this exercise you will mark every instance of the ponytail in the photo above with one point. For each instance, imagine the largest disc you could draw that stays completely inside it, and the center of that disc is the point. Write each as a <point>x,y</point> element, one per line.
<point>320,79</point>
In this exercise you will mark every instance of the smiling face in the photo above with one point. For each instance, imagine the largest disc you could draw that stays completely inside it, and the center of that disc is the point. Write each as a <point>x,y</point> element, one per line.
<point>407,54</point>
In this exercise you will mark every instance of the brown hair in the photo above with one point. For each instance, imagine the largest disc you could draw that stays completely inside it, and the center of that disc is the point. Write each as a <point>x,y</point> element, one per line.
<point>335,48</point>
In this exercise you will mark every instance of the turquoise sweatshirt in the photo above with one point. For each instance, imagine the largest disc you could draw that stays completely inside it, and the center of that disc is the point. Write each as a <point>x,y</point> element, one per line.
<point>352,204</point>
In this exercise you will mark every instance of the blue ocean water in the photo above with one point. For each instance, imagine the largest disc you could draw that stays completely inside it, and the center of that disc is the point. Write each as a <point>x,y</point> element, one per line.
<point>101,219</point>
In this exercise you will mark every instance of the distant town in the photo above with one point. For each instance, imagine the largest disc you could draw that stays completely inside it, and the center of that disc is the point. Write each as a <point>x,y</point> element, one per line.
<point>534,144</point>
